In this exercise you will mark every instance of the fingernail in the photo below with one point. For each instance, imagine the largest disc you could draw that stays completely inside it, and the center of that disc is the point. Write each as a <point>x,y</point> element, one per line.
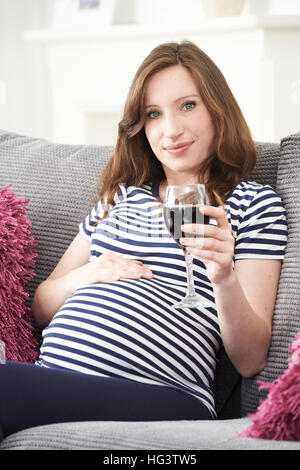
<point>136,274</point>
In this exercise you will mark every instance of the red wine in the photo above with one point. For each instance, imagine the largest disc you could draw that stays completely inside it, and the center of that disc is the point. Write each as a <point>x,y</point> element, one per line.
<point>176,216</point>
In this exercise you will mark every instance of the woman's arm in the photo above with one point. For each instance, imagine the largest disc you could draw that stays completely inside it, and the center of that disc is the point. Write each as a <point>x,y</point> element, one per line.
<point>74,271</point>
<point>245,303</point>
<point>51,294</point>
<point>245,296</point>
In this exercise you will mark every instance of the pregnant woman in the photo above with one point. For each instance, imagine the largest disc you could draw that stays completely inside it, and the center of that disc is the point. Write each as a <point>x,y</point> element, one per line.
<point>114,347</point>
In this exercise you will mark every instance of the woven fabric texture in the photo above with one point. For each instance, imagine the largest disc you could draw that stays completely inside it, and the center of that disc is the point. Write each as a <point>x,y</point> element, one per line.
<point>286,320</point>
<point>267,158</point>
<point>203,435</point>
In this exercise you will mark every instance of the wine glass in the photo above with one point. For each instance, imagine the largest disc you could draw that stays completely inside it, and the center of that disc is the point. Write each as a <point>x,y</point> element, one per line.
<point>182,206</point>
<point>2,352</point>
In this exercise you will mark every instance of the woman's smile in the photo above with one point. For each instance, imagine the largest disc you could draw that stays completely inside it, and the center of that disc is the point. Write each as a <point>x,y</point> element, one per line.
<point>179,148</point>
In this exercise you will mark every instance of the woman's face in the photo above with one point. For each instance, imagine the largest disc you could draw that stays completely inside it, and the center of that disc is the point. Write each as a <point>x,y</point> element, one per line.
<point>177,124</point>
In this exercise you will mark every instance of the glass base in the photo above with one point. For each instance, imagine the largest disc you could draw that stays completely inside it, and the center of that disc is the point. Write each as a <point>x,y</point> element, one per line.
<point>193,301</point>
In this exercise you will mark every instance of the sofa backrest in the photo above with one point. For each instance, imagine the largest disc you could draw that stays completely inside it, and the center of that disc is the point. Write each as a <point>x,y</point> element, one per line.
<point>59,181</point>
<point>286,319</point>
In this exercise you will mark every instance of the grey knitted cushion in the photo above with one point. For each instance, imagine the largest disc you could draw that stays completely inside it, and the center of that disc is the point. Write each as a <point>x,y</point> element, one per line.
<point>286,322</point>
<point>267,154</point>
<point>135,436</point>
<point>60,183</point>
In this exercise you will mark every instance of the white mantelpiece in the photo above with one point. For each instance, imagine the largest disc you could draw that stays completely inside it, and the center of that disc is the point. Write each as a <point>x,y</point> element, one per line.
<point>91,72</point>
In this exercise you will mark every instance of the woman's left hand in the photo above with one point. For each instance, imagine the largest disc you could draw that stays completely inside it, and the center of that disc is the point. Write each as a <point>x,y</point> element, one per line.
<point>215,246</point>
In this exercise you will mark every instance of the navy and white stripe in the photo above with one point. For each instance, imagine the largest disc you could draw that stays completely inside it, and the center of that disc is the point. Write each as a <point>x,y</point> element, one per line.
<point>128,328</point>
<point>258,221</point>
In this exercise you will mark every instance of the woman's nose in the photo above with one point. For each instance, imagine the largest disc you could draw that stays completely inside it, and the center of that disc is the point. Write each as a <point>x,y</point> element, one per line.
<point>172,126</point>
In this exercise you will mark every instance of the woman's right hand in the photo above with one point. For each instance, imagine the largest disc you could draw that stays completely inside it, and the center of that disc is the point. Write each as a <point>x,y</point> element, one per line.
<point>108,267</point>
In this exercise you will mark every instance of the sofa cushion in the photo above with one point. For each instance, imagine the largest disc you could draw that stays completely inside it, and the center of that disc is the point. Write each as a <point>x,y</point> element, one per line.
<point>286,320</point>
<point>208,435</point>
<point>267,158</point>
<point>17,256</point>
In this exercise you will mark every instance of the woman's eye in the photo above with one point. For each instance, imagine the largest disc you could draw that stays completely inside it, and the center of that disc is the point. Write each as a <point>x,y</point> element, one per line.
<point>153,114</point>
<point>189,105</point>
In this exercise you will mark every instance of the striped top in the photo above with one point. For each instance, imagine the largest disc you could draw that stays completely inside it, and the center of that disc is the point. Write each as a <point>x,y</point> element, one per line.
<point>128,328</point>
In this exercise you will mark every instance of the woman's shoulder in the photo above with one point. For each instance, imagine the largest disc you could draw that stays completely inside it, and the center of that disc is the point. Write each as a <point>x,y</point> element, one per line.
<point>249,190</point>
<point>249,199</point>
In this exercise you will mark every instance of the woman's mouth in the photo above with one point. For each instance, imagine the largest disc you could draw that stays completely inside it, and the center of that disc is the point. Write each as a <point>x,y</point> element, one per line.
<point>178,149</point>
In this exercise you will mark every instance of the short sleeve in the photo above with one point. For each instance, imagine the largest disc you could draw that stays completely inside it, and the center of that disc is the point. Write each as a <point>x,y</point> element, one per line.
<point>101,208</point>
<point>262,228</point>
<point>88,225</point>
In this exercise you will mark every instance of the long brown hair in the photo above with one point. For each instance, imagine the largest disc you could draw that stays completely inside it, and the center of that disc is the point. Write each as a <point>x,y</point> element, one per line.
<point>133,161</point>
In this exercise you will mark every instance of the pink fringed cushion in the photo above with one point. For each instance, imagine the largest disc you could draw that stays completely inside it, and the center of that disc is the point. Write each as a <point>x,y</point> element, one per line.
<point>17,257</point>
<point>278,416</point>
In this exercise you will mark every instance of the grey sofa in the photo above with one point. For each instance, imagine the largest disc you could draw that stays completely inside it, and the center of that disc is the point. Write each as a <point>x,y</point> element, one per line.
<point>60,182</point>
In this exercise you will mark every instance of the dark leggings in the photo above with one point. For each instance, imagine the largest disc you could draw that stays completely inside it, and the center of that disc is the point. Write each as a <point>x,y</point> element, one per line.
<point>31,396</point>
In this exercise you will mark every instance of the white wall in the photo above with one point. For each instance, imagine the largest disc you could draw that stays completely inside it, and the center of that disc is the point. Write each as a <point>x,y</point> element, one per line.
<point>25,99</point>
<point>283,7</point>
<point>25,87</point>
<point>150,11</point>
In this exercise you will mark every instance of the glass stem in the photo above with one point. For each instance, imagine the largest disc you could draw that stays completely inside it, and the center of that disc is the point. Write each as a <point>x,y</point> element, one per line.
<point>2,352</point>
<point>189,273</point>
